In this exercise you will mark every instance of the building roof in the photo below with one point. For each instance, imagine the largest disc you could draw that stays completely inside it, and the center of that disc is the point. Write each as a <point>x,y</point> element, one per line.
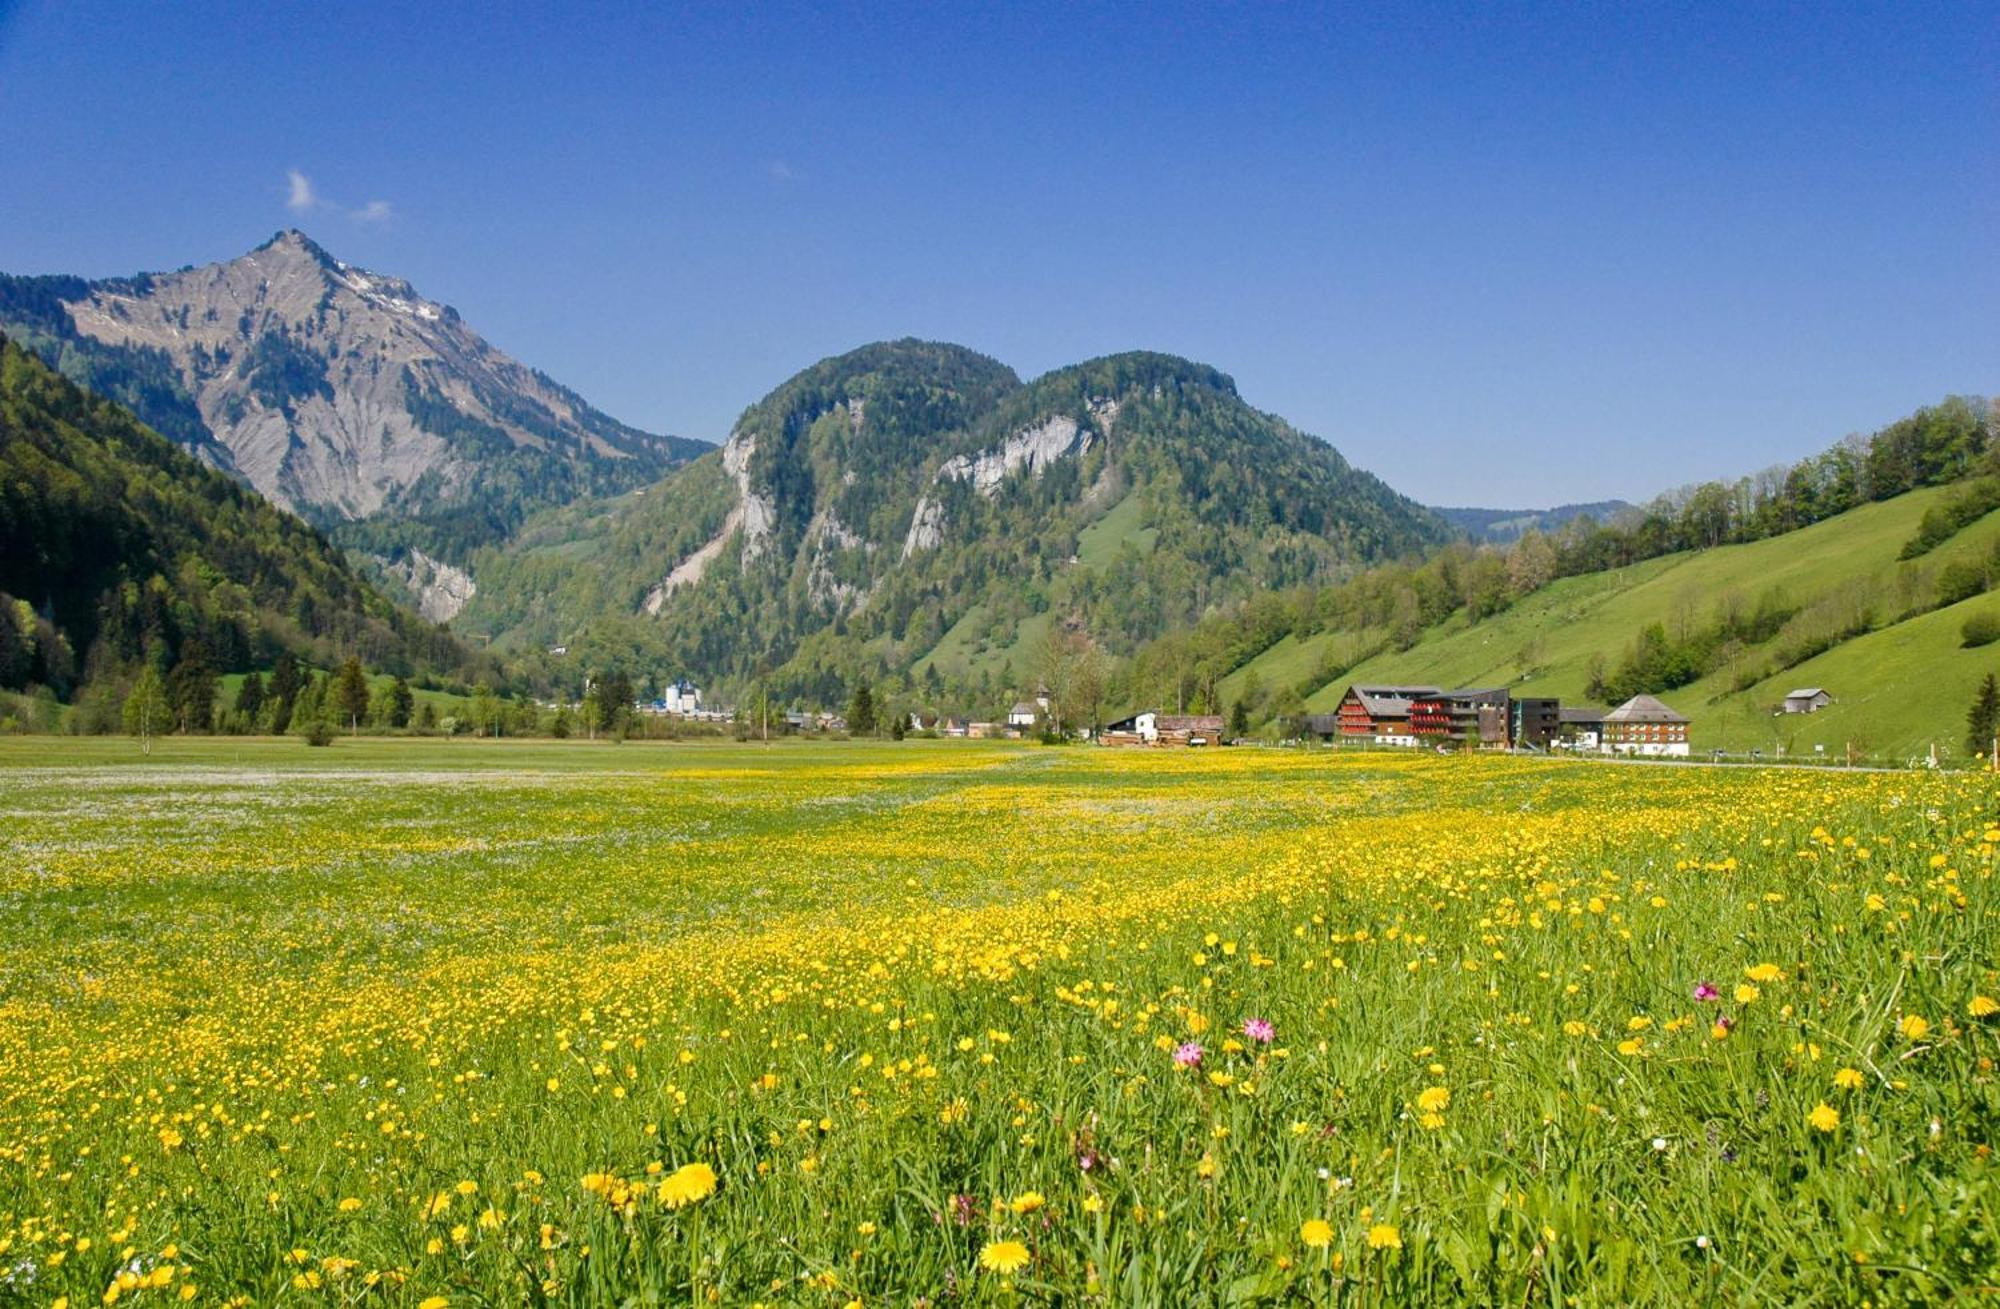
<point>1581,714</point>
<point>1644,709</point>
<point>1389,701</point>
<point>1189,722</point>
<point>1028,707</point>
<point>1806,693</point>
<point>1479,695</point>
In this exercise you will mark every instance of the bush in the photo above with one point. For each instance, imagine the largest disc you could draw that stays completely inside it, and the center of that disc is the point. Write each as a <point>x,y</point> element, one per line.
<point>319,733</point>
<point>1981,629</point>
<point>1961,579</point>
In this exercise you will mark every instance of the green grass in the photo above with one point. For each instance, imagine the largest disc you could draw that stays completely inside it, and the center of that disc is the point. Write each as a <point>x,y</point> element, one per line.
<point>410,1022</point>
<point>967,651</point>
<point>1098,544</point>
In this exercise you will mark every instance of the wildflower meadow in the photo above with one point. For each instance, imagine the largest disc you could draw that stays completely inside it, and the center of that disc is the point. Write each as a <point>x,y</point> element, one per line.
<point>948,1023</point>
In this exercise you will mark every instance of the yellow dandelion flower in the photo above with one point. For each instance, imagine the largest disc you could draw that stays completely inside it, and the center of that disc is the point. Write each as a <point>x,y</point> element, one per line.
<point>1003,1257</point>
<point>1824,1117</point>
<point>1434,1099</point>
<point>1914,1026</point>
<point>687,1184</point>
<point>1848,1079</point>
<point>1384,1236</point>
<point>1316,1232</point>
<point>1983,1006</point>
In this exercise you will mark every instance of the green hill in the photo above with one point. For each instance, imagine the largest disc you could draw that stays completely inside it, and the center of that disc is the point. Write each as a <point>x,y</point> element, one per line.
<point>117,550</point>
<point>1899,685</point>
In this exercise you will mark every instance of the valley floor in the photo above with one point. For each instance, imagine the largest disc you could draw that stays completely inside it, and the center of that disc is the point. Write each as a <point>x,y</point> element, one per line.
<point>491,1022</point>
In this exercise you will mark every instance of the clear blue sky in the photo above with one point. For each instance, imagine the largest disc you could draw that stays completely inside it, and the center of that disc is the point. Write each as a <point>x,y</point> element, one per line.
<point>1497,253</point>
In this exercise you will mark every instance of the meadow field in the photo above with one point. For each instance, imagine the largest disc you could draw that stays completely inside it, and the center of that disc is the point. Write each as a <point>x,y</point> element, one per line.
<point>492,1023</point>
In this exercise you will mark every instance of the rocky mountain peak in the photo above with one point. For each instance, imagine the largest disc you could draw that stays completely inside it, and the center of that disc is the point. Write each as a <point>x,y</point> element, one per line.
<point>339,392</point>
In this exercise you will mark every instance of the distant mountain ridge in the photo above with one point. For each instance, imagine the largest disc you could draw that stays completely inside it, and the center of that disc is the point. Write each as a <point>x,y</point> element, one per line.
<point>914,507</point>
<point>339,393</point>
<point>1501,526</point>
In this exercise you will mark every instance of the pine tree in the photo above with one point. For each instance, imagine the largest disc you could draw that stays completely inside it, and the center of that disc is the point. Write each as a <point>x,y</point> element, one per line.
<point>250,695</point>
<point>283,692</point>
<point>401,703</point>
<point>191,688</point>
<point>861,711</point>
<point>1983,722</point>
<point>350,693</point>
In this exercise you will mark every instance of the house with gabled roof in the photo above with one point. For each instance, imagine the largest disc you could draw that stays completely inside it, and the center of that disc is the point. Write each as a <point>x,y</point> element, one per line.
<point>1378,714</point>
<point>1644,725</point>
<point>1807,700</point>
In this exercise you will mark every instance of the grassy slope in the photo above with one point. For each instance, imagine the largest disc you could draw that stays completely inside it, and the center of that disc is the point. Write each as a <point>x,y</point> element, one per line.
<point>963,651</point>
<point>1097,545</point>
<point>1897,688</point>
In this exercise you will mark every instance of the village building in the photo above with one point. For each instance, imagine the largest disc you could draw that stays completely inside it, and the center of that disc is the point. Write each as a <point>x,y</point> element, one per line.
<point>1152,727</point>
<point>1582,727</point>
<point>1188,729</point>
<point>1380,714</point>
<point>1534,722</point>
<point>681,699</point>
<point>1645,726</point>
<point>1807,700</point>
<point>1472,717</point>
<point>1023,714</point>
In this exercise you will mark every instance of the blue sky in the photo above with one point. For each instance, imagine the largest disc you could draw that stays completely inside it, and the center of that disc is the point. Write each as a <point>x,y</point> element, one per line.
<point>1497,253</point>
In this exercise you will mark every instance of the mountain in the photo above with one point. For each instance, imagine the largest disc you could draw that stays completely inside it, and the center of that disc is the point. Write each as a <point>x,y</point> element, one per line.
<point>339,393</point>
<point>1500,526</point>
<point>116,548</point>
<point>913,507</point>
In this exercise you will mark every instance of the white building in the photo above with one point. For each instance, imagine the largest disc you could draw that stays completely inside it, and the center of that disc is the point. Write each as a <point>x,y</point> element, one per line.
<point>682,697</point>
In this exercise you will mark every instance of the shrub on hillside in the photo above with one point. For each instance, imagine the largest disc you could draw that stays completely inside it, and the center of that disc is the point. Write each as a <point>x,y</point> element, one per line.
<point>1981,629</point>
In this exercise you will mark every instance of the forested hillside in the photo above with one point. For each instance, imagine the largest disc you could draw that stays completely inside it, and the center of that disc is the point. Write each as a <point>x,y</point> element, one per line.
<point>119,552</point>
<point>911,512</point>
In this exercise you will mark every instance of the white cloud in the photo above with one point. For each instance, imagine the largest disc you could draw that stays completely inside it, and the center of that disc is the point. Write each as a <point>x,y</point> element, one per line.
<point>782,171</point>
<point>302,199</point>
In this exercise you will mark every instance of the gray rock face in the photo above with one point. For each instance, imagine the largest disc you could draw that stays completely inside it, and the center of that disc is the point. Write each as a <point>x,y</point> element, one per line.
<point>440,589</point>
<point>1032,449</point>
<point>336,389</point>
